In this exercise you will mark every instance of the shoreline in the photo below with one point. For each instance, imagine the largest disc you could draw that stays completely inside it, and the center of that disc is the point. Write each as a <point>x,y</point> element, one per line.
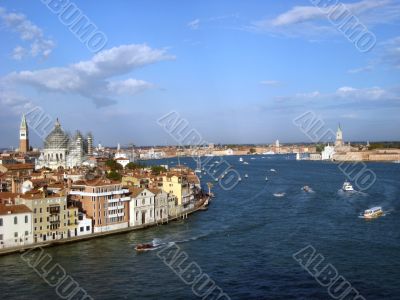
<point>20,249</point>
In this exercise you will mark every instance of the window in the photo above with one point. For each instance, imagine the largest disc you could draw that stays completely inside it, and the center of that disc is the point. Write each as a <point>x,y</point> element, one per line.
<point>1,237</point>
<point>26,219</point>
<point>16,234</point>
<point>35,220</point>
<point>81,229</point>
<point>15,220</point>
<point>87,228</point>
<point>26,233</point>
<point>1,222</point>
<point>41,210</point>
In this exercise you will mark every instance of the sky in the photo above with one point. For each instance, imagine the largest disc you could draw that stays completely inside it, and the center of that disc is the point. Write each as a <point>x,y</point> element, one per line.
<point>237,71</point>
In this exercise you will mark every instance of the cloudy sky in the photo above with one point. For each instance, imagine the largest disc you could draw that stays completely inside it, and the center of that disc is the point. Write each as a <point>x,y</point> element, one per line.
<point>237,71</point>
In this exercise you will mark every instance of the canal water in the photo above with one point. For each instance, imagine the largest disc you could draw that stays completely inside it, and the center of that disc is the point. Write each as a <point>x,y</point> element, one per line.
<point>246,240</point>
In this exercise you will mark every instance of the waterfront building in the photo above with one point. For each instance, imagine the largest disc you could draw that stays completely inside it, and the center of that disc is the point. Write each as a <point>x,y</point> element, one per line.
<point>328,152</point>
<point>72,221</point>
<point>177,185</point>
<point>23,136</point>
<point>49,214</point>
<point>315,156</point>
<point>84,225</point>
<point>15,226</point>
<point>160,205</point>
<point>61,150</point>
<point>141,207</point>
<point>104,201</point>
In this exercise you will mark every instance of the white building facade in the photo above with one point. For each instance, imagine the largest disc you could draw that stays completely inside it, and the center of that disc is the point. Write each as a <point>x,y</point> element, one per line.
<point>141,207</point>
<point>15,226</point>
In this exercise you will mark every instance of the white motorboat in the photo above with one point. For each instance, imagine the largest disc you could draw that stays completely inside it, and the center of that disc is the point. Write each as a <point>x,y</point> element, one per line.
<point>347,187</point>
<point>279,194</point>
<point>241,159</point>
<point>373,212</point>
<point>272,170</point>
<point>245,163</point>
<point>246,176</point>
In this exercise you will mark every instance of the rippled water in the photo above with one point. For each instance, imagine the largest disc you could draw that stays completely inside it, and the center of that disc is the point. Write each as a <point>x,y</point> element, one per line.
<point>245,241</point>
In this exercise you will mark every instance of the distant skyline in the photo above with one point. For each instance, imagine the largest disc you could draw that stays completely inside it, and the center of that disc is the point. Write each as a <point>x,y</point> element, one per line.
<point>238,72</point>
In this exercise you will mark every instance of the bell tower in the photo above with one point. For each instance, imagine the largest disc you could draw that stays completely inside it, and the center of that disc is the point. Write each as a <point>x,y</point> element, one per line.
<point>339,137</point>
<point>23,136</point>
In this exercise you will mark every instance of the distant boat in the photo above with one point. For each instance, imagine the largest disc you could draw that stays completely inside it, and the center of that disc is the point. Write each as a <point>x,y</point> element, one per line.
<point>269,153</point>
<point>279,194</point>
<point>241,159</point>
<point>252,158</point>
<point>216,179</point>
<point>306,189</point>
<point>209,155</point>
<point>246,176</point>
<point>397,162</point>
<point>347,187</point>
<point>272,170</point>
<point>373,212</point>
<point>245,163</point>
<point>144,247</point>
<point>266,178</point>
<point>240,179</point>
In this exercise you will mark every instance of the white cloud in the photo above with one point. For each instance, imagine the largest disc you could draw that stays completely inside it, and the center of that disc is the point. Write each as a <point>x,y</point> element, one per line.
<point>361,70</point>
<point>391,52</point>
<point>129,86</point>
<point>270,82</point>
<point>39,45</point>
<point>93,78</point>
<point>314,21</point>
<point>195,24</point>
<point>12,102</point>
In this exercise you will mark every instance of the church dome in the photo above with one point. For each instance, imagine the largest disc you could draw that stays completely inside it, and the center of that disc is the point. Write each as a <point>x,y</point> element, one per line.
<point>57,139</point>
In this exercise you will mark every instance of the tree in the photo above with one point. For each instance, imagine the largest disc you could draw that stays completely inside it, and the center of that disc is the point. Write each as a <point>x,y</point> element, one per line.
<point>158,169</point>
<point>252,150</point>
<point>114,175</point>
<point>113,165</point>
<point>135,166</point>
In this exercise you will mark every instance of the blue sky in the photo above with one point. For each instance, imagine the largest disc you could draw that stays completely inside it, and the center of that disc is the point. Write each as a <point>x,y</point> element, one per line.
<point>238,71</point>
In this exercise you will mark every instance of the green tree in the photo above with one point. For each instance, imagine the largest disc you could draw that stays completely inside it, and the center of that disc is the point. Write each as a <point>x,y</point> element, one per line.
<point>158,169</point>
<point>135,166</point>
<point>252,150</point>
<point>113,165</point>
<point>114,175</point>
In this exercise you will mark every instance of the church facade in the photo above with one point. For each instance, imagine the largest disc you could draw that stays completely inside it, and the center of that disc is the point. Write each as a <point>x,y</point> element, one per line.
<point>64,151</point>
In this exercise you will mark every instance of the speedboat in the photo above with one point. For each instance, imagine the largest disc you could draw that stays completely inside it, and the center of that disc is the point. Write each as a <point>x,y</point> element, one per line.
<point>306,188</point>
<point>241,159</point>
<point>246,176</point>
<point>373,212</point>
<point>279,194</point>
<point>144,247</point>
<point>347,187</point>
<point>266,178</point>
<point>273,170</point>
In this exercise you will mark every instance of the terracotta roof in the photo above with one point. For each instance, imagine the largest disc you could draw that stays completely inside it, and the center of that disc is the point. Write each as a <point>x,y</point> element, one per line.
<point>13,209</point>
<point>96,182</point>
<point>135,191</point>
<point>12,167</point>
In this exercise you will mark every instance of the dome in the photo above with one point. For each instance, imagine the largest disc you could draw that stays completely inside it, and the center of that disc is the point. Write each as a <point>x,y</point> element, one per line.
<point>57,139</point>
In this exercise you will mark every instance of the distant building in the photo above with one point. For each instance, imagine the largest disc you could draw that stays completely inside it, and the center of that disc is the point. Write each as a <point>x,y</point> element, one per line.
<point>141,207</point>
<point>23,136</point>
<point>339,137</point>
<point>61,150</point>
<point>328,152</point>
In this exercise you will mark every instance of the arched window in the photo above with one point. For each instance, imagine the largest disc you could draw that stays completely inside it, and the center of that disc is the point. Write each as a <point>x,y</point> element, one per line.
<point>137,216</point>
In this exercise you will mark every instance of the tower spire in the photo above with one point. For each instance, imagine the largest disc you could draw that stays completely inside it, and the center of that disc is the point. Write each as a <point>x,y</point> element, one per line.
<point>23,136</point>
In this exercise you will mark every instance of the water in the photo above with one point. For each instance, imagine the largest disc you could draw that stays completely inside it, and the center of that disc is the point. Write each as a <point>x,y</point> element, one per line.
<point>245,241</point>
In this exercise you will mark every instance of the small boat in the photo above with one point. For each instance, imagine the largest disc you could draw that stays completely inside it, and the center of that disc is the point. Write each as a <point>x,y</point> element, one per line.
<point>272,170</point>
<point>279,194</point>
<point>373,212</point>
<point>246,176</point>
<point>347,187</point>
<point>266,178</point>
<point>241,159</point>
<point>252,158</point>
<point>240,179</point>
<point>306,189</point>
<point>144,247</point>
<point>245,163</point>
